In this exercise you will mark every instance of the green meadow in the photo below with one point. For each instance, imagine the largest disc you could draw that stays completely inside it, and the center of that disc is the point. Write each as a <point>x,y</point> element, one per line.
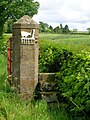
<point>75,43</point>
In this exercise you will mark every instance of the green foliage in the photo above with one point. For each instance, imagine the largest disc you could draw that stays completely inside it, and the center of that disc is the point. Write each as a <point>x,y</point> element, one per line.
<point>14,9</point>
<point>73,81</point>
<point>51,58</point>
<point>12,107</point>
<point>88,30</point>
<point>72,71</point>
<point>66,29</point>
<point>8,26</point>
<point>72,67</point>
<point>3,63</point>
<point>57,30</point>
<point>45,58</point>
<point>4,44</point>
<point>45,28</point>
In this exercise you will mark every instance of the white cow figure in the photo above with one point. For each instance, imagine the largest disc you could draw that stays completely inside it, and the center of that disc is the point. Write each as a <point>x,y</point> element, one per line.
<point>27,34</point>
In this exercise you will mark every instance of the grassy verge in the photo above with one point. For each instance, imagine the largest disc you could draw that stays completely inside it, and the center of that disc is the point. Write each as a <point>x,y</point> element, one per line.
<point>3,64</point>
<point>12,107</point>
<point>3,61</point>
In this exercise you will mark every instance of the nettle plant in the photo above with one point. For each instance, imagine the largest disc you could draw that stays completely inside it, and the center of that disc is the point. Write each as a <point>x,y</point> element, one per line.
<point>72,75</point>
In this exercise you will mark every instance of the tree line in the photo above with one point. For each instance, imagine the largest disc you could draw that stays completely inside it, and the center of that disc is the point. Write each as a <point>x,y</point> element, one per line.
<point>45,28</point>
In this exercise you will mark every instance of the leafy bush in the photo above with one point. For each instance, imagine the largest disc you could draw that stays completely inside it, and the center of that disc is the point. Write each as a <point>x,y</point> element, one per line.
<point>4,86</point>
<point>73,75</point>
<point>4,44</point>
<point>51,58</point>
<point>73,81</point>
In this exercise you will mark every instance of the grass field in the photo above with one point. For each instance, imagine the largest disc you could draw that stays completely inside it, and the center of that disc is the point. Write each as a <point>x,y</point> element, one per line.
<point>12,107</point>
<point>75,43</point>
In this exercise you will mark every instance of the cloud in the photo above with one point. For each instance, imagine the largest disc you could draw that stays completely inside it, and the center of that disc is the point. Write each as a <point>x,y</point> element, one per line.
<point>72,12</point>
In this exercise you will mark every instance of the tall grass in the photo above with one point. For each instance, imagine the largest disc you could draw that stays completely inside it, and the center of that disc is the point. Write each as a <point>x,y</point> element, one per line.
<point>3,61</point>
<point>12,107</point>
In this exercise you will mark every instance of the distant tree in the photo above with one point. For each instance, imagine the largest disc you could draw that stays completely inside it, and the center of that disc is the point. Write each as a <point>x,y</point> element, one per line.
<point>43,27</point>
<point>88,30</point>
<point>51,29</point>
<point>14,9</point>
<point>57,29</point>
<point>66,29</point>
<point>61,28</point>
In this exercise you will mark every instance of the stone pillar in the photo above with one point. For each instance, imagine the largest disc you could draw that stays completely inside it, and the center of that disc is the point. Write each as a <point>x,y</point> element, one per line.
<point>25,55</point>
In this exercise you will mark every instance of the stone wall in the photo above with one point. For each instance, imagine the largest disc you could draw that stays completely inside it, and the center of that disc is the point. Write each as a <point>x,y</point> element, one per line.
<point>46,87</point>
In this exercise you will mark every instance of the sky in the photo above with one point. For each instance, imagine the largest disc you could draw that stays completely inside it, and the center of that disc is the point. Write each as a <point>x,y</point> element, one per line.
<point>74,13</point>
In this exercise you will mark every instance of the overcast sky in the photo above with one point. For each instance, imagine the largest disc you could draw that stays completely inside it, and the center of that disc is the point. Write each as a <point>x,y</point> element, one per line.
<point>74,13</point>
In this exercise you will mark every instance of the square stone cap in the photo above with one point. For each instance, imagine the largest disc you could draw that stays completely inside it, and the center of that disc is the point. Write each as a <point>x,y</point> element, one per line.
<point>25,22</point>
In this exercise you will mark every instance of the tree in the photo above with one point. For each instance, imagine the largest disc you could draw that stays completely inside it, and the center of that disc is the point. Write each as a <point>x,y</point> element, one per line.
<point>14,9</point>
<point>88,30</point>
<point>43,27</point>
<point>66,29</point>
<point>61,28</point>
<point>57,29</point>
<point>8,24</point>
<point>51,29</point>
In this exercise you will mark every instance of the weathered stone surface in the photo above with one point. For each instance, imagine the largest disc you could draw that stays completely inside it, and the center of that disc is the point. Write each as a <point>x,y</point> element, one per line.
<point>49,77</point>
<point>25,56</point>
<point>47,81</point>
<point>49,96</point>
<point>26,22</point>
<point>46,87</point>
<point>27,86</point>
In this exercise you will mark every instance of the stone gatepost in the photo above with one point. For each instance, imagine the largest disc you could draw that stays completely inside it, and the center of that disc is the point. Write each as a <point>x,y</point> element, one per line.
<point>25,55</point>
